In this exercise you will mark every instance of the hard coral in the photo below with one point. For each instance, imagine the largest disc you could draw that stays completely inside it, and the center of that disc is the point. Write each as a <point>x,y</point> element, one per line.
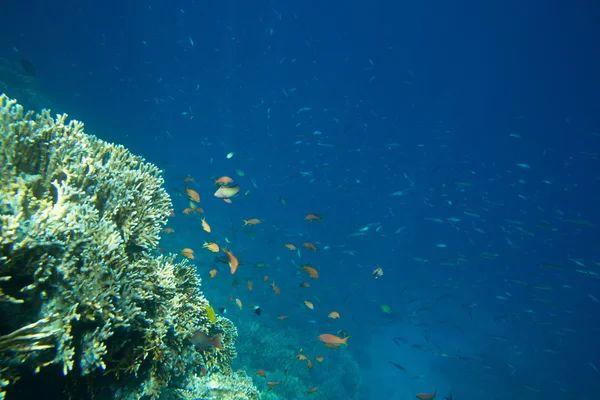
<point>221,387</point>
<point>82,293</point>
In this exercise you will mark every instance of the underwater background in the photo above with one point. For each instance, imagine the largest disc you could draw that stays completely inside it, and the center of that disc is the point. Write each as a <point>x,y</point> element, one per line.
<point>424,177</point>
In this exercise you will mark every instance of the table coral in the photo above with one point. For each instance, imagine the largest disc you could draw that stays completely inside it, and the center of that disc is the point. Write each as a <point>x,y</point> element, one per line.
<point>86,302</point>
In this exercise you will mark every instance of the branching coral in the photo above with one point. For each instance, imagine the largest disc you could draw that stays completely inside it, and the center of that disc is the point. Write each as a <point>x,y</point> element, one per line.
<point>80,285</point>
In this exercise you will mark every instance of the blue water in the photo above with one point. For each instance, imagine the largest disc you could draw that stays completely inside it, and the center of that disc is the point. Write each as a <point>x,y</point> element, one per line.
<point>483,115</point>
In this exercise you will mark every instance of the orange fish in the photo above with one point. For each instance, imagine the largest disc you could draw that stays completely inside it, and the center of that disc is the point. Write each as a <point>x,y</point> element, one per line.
<point>309,364</point>
<point>310,246</point>
<point>189,253</point>
<point>238,302</point>
<point>312,217</point>
<point>253,221</point>
<point>261,372</point>
<point>275,288</point>
<point>312,390</point>
<point>205,225</point>
<point>301,356</point>
<point>193,210</point>
<point>168,230</point>
<point>283,317</point>
<point>333,341</point>
<point>309,304</point>
<point>305,285</point>
<point>249,284</point>
<point>290,246</point>
<point>271,385</point>
<point>189,179</point>
<point>266,278</point>
<point>213,273</point>
<point>319,359</point>
<point>211,246</point>
<point>334,315</point>
<point>233,261</point>
<point>194,196</point>
<point>202,341</point>
<point>310,271</point>
<point>426,396</point>
<point>223,180</point>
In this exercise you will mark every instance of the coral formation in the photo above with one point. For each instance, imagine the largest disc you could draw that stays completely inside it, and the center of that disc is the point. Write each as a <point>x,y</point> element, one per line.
<point>237,386</point>
<point>23,86</point>
<point>275,350</point>
<point>85,300</point>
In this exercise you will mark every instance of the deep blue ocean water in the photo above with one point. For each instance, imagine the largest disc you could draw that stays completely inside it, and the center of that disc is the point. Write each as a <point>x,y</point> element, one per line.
<point>455,145</point>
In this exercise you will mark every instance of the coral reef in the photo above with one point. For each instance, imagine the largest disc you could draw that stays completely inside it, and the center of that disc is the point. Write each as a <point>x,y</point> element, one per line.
<point>86,302</point>
<point>231,387</point>
<point>25,87</point>
<point>275,350</point>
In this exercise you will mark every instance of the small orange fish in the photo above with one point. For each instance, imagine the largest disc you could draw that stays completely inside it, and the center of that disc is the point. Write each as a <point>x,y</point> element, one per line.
<point>223,180</point>
<point>319,359</point>
<point>205,225</point>
<point>312,217</point>
<point>334,315</point>
<point>249,284</point>
<point>283,317</point>
<point>310,246</point>
<point>193,195</point>
<point>290,246</point>
<point>233,261</point>
<point>333,341</point>
<point>305,285</point>
<point>275,288</point>
<point>309,364</point>
<point>171,214</point>
<point>301,356</point>
<point>213,273</point>
<point>168,230</point>
<point>261,372</point>
<point>309,304</point>
<point>189,253</point>
<point>271,385</point>
<point>426,396</point>
<point>189,179</point>
<point>161,249</point>
<point>193,210</point>
<point>238,302</point>
<point>211,246</point>
<point>312,390</point>
<point>312,272</point>
<point>253,221</point>
<point>266,278</point>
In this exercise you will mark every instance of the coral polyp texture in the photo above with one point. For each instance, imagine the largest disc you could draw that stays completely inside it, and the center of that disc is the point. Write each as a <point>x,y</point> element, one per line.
<point>89,308</point>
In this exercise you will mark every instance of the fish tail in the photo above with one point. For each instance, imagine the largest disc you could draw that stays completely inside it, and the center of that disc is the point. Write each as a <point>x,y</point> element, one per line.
<point>216,342</point>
